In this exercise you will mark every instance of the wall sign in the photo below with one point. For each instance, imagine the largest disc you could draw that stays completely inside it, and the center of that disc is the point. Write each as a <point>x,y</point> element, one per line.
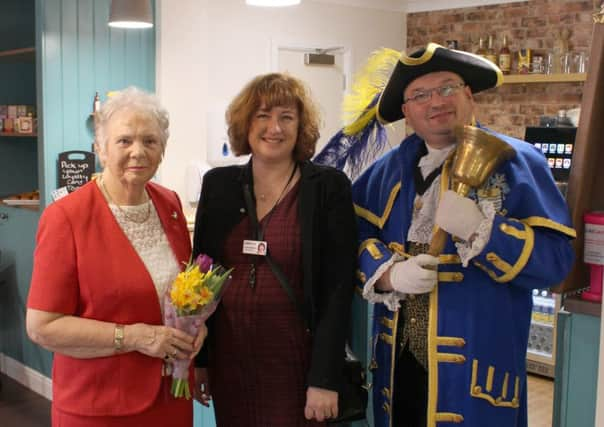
<point>75,168</point>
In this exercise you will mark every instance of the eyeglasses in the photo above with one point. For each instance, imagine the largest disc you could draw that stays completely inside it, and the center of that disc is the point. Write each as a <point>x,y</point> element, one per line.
<point>424,96</point>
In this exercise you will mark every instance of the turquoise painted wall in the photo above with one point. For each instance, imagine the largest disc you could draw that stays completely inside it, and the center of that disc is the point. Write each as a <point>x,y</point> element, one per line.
<point>18,173</point>
<point>17,235</point>
<point>80,55</point>
<point>77,54</point>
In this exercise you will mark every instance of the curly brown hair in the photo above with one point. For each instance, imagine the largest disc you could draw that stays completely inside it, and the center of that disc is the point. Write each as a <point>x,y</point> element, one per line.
<point>273,90</point>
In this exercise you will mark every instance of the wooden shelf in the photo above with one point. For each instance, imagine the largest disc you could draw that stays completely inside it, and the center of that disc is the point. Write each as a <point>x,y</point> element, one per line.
<point>27,54</point>
<point>19,135</point>
<point>544,78</point>
<point>28,207</point>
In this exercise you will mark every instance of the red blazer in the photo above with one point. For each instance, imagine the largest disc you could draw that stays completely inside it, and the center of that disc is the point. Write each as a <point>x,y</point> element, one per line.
<point>84,265</point>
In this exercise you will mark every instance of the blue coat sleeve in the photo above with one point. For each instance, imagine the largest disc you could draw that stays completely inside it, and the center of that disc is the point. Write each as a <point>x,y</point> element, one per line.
<point>376,195</point>
<point>529,244</point>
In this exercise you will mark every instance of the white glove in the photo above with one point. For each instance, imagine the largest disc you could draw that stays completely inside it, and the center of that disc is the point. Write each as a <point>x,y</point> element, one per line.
<point>458,215</point>
<point>411,276</point>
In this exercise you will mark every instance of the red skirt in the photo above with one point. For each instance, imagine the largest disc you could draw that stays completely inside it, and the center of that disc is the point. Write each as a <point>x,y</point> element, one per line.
<point>165,411</point>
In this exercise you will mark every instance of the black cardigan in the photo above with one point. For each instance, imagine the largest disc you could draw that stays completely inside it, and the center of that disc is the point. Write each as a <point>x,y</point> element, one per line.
<point>329,246</point>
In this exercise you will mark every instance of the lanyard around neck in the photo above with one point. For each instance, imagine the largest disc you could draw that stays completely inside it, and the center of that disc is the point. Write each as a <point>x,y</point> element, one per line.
<point>259,231</point>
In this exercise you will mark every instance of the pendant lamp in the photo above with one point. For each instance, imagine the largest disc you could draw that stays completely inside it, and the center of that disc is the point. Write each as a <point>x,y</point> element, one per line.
<point>272,3</point>
<point>131,14</point>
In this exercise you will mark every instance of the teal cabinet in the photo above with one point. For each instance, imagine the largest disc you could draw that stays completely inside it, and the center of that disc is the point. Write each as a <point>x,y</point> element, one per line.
<point>577,356</point>
<point>76,55</point>
<point>203,417</point>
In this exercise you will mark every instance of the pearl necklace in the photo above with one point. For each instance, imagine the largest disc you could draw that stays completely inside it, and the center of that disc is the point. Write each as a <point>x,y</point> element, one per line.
<point>123,212</point>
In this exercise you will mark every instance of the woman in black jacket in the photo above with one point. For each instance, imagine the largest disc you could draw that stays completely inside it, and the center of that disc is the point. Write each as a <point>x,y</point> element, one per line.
<point>269,362</point>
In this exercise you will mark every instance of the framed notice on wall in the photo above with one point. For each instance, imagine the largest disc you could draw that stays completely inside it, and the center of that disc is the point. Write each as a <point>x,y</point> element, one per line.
<point>75,168</point>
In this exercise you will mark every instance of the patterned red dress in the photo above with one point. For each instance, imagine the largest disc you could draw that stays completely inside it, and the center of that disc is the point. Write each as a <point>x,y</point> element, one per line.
<point>261,351</point>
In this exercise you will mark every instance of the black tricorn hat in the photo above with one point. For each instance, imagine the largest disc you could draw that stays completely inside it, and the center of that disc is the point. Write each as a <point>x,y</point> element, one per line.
<point>476,71</point>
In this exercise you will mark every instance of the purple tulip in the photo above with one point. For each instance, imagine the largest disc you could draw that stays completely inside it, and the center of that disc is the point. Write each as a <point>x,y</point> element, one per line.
<point>204,262</point>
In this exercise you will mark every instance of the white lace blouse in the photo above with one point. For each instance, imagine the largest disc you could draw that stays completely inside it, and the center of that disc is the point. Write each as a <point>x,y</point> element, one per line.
<point>150,242</point>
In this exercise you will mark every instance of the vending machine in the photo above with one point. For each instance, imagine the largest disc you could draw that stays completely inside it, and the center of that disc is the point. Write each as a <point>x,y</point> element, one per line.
<point>541,353</point>
<point>556,144</point>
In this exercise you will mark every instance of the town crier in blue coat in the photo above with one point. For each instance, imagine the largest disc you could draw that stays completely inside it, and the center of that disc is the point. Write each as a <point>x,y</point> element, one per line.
<point>450,332</point>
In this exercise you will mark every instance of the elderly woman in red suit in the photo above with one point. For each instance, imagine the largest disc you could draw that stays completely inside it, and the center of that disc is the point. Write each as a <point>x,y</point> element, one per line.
<point>104,258</point>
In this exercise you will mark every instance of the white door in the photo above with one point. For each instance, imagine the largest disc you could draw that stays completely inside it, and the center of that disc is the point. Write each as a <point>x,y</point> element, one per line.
<point>326,82</point>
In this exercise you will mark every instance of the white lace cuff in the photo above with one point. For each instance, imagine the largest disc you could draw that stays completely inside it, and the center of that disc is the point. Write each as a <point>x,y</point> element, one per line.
<point>389,299</point>
<point>468,250</point>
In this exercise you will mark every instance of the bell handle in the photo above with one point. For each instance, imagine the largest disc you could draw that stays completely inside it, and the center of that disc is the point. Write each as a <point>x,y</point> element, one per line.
<point>439,240</point>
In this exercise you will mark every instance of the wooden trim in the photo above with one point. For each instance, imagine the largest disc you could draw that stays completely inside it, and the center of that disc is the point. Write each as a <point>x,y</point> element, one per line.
<point>575,304</point>
<point>27,53</point>
<point>18,134</point>
<point>586,183</point>
<point>544,78</point>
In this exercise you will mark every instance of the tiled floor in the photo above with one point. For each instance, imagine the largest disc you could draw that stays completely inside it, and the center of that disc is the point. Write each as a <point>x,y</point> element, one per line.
<point>540,401</point>
<point>20,407</point>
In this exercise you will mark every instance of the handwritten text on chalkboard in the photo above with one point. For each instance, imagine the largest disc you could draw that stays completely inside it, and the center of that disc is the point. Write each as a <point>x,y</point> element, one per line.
<point>73,171</point>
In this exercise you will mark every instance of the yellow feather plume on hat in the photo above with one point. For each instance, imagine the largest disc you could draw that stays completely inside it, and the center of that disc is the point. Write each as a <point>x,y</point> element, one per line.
<point>360,104</point>
<point>363,136</point>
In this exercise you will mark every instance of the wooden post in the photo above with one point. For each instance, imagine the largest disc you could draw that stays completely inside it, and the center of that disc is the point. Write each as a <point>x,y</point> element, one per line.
<point>586,182</point>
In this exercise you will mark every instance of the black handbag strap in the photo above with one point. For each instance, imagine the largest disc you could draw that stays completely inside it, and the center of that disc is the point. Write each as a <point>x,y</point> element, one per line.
<point>259,234</point>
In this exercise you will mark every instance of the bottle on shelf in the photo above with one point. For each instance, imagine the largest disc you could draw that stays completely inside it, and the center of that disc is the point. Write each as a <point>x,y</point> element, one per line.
<point>96,104</point>
<point>505,57</point>
<point>481,49</point>
<point>491,55</point>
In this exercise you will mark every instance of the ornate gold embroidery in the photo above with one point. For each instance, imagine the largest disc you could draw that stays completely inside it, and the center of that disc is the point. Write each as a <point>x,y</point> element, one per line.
<point>361,276</point>
<point>379,221</point>
<point>548,223</point>
<point>387,322</point>
<point>451,341</point>
<point>450,276</point>
<point>450,358</point>
<point>449,417</point>
<point>477,391</point>
<point>365,246</point>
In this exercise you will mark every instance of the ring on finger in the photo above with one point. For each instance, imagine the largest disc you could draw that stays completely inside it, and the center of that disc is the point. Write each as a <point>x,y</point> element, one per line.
<point>174,353</point>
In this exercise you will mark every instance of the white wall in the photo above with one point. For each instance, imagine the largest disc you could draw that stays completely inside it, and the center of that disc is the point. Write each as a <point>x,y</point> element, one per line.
<point>207,50</point>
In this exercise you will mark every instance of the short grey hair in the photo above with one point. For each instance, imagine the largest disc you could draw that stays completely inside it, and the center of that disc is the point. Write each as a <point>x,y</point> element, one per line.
<point>133,99</point>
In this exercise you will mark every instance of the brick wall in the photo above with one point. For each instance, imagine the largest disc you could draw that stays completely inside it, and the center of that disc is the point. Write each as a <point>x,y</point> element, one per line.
<point>532,24</point>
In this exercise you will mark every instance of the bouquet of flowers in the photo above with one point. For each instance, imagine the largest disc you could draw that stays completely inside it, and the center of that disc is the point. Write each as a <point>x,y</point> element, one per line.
<point>191,299</point>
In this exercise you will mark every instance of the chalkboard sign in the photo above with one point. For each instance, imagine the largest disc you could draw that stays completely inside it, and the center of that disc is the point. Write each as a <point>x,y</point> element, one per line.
<point>75,168</point>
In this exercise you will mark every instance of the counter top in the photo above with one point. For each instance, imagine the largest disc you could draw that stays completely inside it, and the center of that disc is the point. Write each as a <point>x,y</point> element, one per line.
<point>575,304</point>
<point>30,206</point>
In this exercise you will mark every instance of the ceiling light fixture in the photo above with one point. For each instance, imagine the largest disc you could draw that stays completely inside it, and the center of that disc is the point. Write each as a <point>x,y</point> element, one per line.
<point>272,3</point>
<point>131,14</point>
